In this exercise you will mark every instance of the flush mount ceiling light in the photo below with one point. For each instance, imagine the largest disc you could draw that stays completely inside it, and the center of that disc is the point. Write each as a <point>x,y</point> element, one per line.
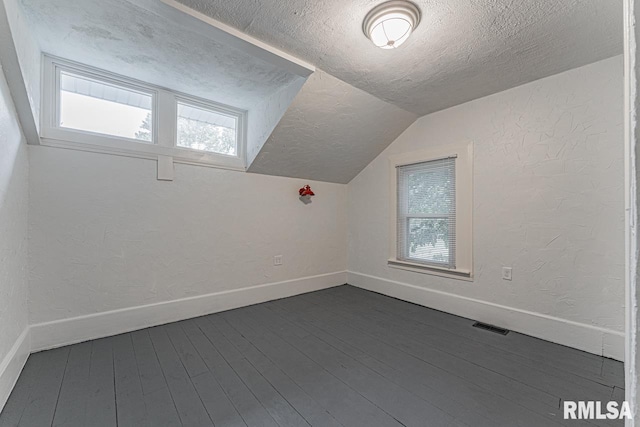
<point>390,24</point>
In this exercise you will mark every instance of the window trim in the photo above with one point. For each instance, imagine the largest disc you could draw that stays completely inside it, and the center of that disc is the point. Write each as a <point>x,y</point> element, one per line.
<point>164,117</point>
<point>464,207</point>
<point>56,102</point>
<point>403,212</point>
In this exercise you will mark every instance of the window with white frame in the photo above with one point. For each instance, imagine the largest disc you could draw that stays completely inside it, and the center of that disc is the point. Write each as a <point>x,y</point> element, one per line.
<point>427,212</point>
<point>101,107</point>
<point>90,109</point>
<point>206,129</point>
<point>431,212</point>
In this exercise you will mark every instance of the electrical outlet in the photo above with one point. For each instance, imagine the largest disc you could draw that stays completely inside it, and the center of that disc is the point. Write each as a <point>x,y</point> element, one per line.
<point>506,273</point>
<point>277,260</point>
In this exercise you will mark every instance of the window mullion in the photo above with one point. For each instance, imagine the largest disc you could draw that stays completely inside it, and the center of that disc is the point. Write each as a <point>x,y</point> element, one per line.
<point>165,119</point>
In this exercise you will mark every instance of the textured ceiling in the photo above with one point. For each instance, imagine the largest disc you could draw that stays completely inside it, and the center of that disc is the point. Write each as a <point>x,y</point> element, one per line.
<point>330,132</point>
<point>344,116</point>
<point>150,41</point>
<point>461,50</point>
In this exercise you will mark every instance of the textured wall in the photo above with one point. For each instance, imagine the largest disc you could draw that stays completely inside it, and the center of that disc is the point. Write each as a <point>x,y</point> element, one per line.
<point>13,224</point>
<point>105,234</point>
<point>548,197</point>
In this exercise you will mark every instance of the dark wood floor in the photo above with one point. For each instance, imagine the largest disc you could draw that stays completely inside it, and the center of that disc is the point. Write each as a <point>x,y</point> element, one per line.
<point>341,356</point>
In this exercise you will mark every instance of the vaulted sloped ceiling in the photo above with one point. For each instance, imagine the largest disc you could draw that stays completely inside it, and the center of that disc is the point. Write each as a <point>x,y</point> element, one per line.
<point>330,125</point>
<point>167,46</point>
<point>330,132</point>
<point>461,50</point>
<point>152,42</point>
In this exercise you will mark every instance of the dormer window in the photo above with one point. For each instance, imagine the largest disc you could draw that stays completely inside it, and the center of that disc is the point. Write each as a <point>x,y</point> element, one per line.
<point>89,109</point>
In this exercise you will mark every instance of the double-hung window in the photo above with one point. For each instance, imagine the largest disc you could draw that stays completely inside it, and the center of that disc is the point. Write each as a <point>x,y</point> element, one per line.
<point>431,211</point>
<point>89,109</point>
<point>427,212</point>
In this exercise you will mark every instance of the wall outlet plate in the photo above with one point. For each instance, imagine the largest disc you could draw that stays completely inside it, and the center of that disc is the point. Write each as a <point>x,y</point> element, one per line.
<point>506,273</point>
<point>277,260</point>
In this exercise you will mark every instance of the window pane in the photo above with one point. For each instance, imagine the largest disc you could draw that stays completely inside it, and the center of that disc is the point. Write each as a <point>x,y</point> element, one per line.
<point>207,130</point>
<point>429,240</point>
<point>427,212</point>
<point>430,191</point>
<point>93,106</point>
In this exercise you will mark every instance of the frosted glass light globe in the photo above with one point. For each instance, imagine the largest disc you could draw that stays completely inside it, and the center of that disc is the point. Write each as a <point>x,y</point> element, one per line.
<point>390,24</point>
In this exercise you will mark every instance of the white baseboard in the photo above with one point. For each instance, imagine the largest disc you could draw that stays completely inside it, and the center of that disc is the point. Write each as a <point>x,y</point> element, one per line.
<point>592,339</point>
<point>12,364</point>
<point>83,328</point>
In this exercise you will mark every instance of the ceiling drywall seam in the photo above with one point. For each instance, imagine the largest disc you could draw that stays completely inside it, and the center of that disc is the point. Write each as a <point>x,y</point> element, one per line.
<point>251,45</point>
<point>25,101</point>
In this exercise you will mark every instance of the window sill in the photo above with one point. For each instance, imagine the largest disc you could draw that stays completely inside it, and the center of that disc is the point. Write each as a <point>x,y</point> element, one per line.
<point>457,274</point>
<point>106,145</point>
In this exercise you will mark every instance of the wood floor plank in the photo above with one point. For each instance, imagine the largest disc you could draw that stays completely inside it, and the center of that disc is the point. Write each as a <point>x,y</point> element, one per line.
<point>396,369</point>
<point>101,398</point>
<point>220,408</point>
<point>618,395</point>
<point>277,406</point>
<point>188,355</point>
<point>613,372</point>
<point>428,352</point>
<point>336,357</point>
<point>313,413</point>
<point>72,401</point>
<point>187,401</point>
<point>347,405</point>
<point>246,404</point>
<point>19,398</point>
<point>400,337</point>
<point>130,406</point>
<point>551,380</point>
<point>40,408</point>
<point>500,415</point>
<point>151,376</point>
<point>161,409</point>
<point>403,405</point>
<point>413,369</point>
<point>159,405</point>
<point>541,352</point>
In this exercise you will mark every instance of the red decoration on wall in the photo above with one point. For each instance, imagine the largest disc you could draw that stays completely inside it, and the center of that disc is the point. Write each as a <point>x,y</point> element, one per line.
<point>306,191</point>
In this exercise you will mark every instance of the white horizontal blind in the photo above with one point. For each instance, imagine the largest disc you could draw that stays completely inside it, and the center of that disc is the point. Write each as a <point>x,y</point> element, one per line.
<point>427,213</point>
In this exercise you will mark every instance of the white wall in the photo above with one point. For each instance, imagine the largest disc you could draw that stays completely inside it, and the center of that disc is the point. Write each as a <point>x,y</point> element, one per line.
<point>106,235</point>
<point>548,201</point>
<point>13,242</point>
